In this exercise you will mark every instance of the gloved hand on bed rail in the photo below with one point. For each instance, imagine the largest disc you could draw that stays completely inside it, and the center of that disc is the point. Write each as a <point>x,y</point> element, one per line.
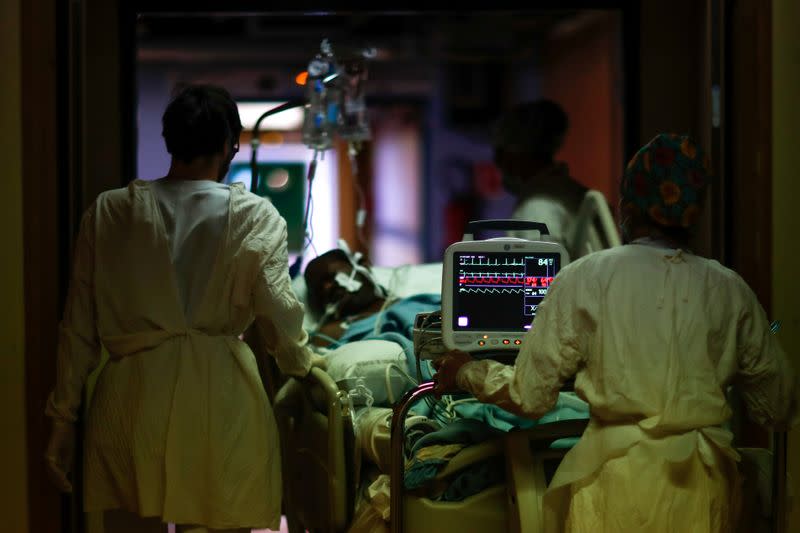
<point>447,368</point>
<point>319,361</point>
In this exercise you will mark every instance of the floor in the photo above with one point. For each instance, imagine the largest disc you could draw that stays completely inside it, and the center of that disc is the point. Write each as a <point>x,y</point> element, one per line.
<point>284,528</point>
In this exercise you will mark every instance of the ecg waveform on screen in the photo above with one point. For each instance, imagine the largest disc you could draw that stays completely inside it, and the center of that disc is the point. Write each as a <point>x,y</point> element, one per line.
<point>491,290</point>
<point>503,280</point>
<point>470,260</point>
<point>505,286</point>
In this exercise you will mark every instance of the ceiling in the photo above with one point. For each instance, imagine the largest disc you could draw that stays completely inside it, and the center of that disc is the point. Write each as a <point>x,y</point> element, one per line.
<point>398,37</point>
<point>258,55</point>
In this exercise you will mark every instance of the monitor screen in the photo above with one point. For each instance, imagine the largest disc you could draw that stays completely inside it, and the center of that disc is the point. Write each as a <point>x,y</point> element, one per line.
<point>499,291</point>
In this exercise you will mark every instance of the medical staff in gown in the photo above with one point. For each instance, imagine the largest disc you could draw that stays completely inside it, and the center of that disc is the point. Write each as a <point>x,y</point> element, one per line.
<point>525,140</point>
<point>654,336</point>
<point>167,276</point>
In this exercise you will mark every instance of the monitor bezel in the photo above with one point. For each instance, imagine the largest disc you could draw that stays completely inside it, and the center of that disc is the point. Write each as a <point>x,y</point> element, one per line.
<point>502,244</point>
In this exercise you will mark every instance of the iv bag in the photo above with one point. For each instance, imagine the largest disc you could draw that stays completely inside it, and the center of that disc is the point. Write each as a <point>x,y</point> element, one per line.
<point>321,112</point>
<point>353,125</point>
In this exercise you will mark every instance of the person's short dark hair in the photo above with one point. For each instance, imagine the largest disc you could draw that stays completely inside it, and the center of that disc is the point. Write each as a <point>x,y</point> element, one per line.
<point>199,121</point>
<point>536,127</point>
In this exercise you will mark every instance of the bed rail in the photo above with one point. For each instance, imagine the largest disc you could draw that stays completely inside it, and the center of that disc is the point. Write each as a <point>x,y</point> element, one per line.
<point>523,448</point>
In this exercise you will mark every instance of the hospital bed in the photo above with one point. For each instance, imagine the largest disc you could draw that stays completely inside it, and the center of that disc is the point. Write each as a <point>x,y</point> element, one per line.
<point>594,228</point>
<point>315,419</point>
<point>316,423</point>
<point>321,454</point>
<point>322,457</point>
<point>491,290</point>
<point>320,480</point>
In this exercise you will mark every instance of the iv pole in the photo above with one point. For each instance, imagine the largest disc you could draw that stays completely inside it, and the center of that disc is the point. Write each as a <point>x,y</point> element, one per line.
<point>326,82</point>
<point>255,141</point>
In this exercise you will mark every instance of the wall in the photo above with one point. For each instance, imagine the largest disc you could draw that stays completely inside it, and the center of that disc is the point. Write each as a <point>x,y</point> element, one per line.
<point>674,87</point>
<point>45,184</point>
<point>450,155</point>
<point>747,217</point>
<point>13,457</point>
<point>103,149</point>
<point>785,191</point>
<point>583,72</point>
<point>397,162</point>
<point>154,91</point>
<point>671,68</point>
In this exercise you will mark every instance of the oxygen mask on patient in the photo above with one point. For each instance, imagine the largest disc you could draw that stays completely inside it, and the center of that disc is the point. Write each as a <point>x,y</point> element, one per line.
<point>352,292</point>
<point>346,295</point>
<point>348,283</point>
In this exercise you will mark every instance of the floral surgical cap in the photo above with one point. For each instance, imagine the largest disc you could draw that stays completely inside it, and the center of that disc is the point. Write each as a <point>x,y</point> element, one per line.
<point>664,180</point>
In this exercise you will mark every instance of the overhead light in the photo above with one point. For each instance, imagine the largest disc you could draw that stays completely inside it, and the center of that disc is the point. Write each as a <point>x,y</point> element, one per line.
<point>288,120</point>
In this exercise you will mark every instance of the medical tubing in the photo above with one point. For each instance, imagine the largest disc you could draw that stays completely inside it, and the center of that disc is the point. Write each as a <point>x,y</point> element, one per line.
<point>312,171</point>
<point>403,373</point>
<point>354,258</point>
<point>438,411</point>
<point>390,290</point>
<point>425,327</point>
<point>431,403</point>
<point>330,310</point>
<point>362,390</point>
<point>386,303</point>
<point>450,404</point>
<point>361,213</point>
<point>255,141</point>
<point>419,351</point>
<point>310,233</point>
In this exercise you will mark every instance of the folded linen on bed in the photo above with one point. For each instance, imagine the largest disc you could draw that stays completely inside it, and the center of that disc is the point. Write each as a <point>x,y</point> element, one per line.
<point>433,451</point>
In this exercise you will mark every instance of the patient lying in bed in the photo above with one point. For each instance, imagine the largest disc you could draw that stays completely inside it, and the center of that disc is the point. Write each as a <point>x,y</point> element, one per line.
<point>364,327</point>
<point>339,294</point>
<point>350,304</point>
<point>362,319</point>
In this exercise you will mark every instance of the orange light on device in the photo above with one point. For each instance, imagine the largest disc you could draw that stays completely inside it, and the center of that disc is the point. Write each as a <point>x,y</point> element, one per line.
<point>301,78</point>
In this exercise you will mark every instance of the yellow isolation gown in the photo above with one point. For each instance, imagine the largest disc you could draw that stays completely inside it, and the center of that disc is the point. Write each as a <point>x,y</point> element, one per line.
<point>653,337</point>
<point>179,425</point>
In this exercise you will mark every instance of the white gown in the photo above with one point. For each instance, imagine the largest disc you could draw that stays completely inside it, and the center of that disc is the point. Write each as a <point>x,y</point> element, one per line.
<point>551,197</point>
<point>549,210</point>
<point>653,337</point>
<point>166,278</point>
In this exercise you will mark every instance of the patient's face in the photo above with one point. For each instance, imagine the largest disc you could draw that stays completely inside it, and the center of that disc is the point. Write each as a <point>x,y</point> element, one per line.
<point>323,289</point>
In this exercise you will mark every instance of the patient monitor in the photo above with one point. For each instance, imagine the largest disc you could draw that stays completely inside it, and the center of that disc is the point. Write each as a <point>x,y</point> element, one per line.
<point>492,288</point>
